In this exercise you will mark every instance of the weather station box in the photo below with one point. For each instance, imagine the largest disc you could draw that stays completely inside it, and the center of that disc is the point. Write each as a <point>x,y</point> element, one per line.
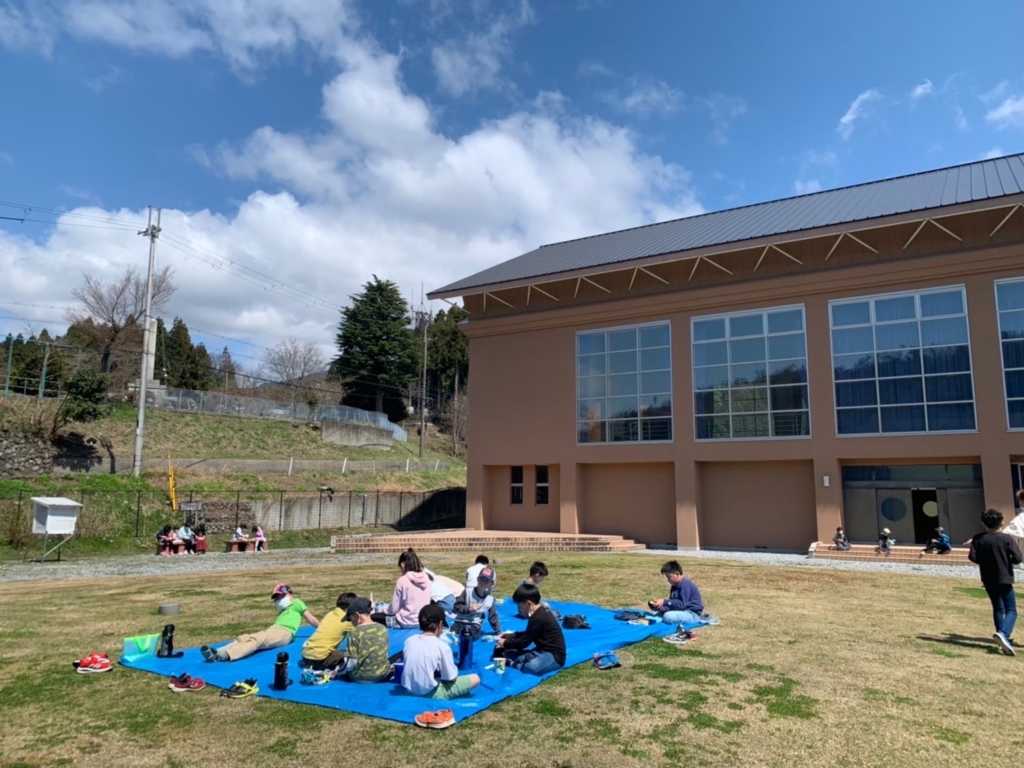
<point>54,516</point>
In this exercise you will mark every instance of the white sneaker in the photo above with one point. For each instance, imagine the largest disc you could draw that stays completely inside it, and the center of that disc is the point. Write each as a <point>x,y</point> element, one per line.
<point>1004,642</point>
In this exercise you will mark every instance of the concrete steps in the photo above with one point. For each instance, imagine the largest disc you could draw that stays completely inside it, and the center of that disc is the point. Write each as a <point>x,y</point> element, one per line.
<point>462,541</point>
<point>910,555</point>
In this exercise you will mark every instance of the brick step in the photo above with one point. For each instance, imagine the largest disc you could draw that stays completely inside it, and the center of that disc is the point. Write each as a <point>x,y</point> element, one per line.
<point>909,555</point>
<point>389,544</point>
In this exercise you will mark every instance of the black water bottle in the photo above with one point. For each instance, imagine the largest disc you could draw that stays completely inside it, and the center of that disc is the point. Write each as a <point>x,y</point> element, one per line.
<point>281,672</point>
<point>166,649</point>
<point>465,649</point>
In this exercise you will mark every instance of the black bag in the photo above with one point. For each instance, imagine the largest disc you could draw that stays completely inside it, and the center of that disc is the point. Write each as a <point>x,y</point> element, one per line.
<point>630,615</point>
<point>575,621</point>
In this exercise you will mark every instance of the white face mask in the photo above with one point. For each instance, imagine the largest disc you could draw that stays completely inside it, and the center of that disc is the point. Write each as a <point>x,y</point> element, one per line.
<point>283,603</point>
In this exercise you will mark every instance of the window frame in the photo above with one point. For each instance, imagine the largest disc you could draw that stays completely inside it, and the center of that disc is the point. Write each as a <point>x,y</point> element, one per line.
<point>667,323</point>
<point>537,485</point>
<point>872,324</point>
<point>513,485</point>
<point>1002,359</point>
<point>764,314</point>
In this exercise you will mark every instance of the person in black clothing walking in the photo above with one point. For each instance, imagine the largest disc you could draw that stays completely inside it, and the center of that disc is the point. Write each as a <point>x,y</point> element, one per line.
<point>996,553</point>
<point>542,631</point>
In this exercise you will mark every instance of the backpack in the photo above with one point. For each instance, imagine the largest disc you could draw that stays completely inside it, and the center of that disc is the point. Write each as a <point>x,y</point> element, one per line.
<point>630,615</point>
<point>575,621</point>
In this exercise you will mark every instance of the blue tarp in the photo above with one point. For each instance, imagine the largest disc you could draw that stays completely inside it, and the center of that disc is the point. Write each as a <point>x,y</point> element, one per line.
<point>390,701</point>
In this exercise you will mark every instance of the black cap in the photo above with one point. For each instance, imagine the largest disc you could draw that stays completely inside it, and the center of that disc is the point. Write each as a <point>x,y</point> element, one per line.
<point>431,616</point>
<point>359,605</point>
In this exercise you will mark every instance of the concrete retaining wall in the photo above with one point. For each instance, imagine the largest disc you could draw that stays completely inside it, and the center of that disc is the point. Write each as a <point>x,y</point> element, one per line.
<point>103,465</point>
<point>359,510</point>
<point>356,435</point>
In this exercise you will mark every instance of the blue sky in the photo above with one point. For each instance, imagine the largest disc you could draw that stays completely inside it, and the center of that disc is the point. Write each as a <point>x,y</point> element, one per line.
<point>422,140</point>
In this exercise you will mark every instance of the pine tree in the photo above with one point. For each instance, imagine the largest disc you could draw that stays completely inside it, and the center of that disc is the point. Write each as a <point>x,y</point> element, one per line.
<point>226,370</point>
<point>447,353</point>
<point>377,350</point>
<point>178,354</point>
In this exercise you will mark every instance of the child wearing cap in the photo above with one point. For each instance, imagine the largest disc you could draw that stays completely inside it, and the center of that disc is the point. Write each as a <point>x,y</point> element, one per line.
<point>940,544</point>
<point>476,603</point>
<point>321,649</point>
<point>290,613</point>
<point>885,541</point>
<point>430,669</point>
<point>366,660</point>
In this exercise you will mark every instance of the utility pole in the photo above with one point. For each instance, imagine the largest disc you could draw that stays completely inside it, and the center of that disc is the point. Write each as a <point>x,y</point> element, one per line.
<point>425,319</point>
<point>152,232</point>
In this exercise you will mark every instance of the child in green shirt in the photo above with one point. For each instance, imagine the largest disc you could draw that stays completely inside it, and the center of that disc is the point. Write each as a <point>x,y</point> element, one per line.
<point>290,613</point>
<point>367,654</point>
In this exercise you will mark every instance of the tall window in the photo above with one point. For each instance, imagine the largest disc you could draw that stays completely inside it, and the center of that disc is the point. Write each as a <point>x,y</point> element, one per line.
<point>902,363</point>
<point>624,385</point>
<point>750,375</point>
<point>542,485</point>
<point>517,485</point>
<point>1010,303</point>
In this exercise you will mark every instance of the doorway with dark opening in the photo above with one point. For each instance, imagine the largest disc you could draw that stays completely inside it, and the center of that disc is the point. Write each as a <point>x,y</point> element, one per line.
<point>925,502</point>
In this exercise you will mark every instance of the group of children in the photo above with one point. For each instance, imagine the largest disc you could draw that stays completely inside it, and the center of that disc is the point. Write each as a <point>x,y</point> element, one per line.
<point>259,539</point>
<point>169,538</point>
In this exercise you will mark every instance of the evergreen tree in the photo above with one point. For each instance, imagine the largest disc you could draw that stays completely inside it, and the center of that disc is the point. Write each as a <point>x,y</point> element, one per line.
<point>161,366</point>
<point>226,370</point>
<point>447,353</point>
<point>202,369</point>
<point>178,355</point>
<point>377,350</point>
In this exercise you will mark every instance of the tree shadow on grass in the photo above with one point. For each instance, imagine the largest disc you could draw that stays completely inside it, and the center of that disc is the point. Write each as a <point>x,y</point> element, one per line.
<point>962,641</point>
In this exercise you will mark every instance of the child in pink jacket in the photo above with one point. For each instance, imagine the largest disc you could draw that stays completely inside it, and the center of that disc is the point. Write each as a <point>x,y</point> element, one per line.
<point>412,592</point>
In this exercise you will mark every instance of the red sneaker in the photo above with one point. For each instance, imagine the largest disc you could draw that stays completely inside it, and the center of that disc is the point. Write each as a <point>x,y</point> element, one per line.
<point>182,683</point>
<point>444,718</point>
<point>87,659</point>
<point>97,663</point>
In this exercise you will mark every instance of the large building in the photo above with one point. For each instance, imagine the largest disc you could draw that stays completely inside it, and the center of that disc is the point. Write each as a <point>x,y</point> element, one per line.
<point>756,377</point>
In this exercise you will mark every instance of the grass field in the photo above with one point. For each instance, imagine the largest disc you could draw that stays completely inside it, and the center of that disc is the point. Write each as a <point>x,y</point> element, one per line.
<point>808,668</point>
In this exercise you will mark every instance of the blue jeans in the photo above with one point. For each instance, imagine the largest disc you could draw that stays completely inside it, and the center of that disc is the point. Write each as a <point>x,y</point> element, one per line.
<point>538,663</point>
<point>448,603</point>
<point>1004,607</point>
<point>680,617</point>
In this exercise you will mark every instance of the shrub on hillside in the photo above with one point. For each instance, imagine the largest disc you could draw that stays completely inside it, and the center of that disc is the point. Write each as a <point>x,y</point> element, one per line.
<point>84,400</point>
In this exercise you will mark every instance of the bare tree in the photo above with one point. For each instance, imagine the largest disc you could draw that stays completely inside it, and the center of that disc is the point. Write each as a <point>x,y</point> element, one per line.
<point>292,361</point>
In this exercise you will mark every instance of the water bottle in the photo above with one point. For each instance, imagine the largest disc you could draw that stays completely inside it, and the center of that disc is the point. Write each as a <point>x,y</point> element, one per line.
<point>465,649</point>
<point>166,649</point>
<point>281,672</point>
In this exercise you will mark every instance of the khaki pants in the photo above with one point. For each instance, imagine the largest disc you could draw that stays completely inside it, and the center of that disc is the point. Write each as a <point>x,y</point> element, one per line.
<point>247,645</point>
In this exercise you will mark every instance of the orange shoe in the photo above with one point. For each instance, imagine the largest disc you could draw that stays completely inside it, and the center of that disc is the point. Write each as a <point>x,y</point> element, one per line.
<point>444,718</point>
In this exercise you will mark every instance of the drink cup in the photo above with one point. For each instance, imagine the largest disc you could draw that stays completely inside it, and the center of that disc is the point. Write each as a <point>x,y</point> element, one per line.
<point>499,666</point>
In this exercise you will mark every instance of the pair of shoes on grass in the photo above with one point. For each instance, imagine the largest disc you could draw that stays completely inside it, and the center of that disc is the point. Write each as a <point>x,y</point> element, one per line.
<point>680,636</point>
<point>443,718</point>
<point>241,690</point>
<point>93,663</point>
<point>183,682</point>
<point>1005,644</point>
<point>606,660</point>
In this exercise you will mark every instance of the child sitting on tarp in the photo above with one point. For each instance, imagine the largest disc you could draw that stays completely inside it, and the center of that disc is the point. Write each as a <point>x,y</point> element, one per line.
<point>412,592</point>
<point>366,659</point>
<point>429,664</point>
<point>441,591</point>
<point>538,572</point>
<point>290,613</point>
<point>481,562</point>
<point>684,604</point>
<point>476,603</point>
<point>542,632</point>
<point>940,544</point>
<point>320,651</point>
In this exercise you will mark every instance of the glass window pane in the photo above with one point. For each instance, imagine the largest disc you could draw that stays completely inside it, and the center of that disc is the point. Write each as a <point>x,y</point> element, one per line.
<point>622,385</point>
<point>656,405</point>
<point>857,313</point>
<point>590,432</point>
<point>712,427</point>
<point>591,410</point>
<point>591,365</point>
<point>853,367</point>
<point>748,374</point>
<point>788,372</point>
<point>624,431</point>
<point>656,429</point>
<point>622,362</point>
<point>900,391</point>
<point>857,421</point>
<point>944,332</point>
<point>623,408</point>
<point>747,350</point>
<point>945,303</point>
<point>1013,354</point>
<point>716,401</point>
<point>903,419</point>
<point>714,353</point>
<point>711,378</point>
<point>1010,295</point>
<point>947,359</point>
<point>896,336</point>
<point>542,494</point>
<point>619,341</point>
<point>789,398</point>
<point>898,308</point>
<point>746,325</point>
<point>592,387</point>
<point>786,347</point>
<point>590,343</point>
<point>848,340</point>
<point>1015,383</point>
<point>786,320</point>
<point>542,474</point>
<point>748,400</point>
<point>849,394</point>
<point>655,383</point>
<point>750,426</point>
<point>1015,410</point>
<point>654,336</point>
<point>1011,325</point>
<point>950,418</point>
<point>905,362</point>
<point>945,389</point>
<point>655,359</point>
<point>517,475</point>
<point>706,330</point>
<point>794,424</point>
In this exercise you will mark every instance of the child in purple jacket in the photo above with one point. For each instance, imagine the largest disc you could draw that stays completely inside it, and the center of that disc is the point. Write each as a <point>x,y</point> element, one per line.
<point>684,604</point>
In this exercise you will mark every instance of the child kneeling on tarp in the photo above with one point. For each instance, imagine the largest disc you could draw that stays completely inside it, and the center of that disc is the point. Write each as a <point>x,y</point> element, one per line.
<point>430,669</point>
<point>542,632</point>
<point>290,613</point>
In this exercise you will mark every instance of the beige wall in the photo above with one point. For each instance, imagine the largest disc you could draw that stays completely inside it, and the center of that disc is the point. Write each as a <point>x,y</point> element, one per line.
<point>523,392</point>
<point>502,514</point>
<point>637,501</point>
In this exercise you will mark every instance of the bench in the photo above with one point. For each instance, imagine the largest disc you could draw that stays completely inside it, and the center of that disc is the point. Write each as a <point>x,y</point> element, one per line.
<point>174,549</point>
<point>236,546</point>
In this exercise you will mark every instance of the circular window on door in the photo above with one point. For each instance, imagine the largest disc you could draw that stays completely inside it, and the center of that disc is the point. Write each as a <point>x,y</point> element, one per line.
<point>894,510</point>
<point>930,508</point>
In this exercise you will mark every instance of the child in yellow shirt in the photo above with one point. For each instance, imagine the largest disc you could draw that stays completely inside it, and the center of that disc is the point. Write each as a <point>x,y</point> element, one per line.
<point>320,651</point>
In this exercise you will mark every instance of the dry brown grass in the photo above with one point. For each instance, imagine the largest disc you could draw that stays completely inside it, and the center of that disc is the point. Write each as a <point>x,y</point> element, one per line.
<point>809,668</point>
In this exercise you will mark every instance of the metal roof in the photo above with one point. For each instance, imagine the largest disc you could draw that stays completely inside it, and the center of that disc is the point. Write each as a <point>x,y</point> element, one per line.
<point>983,180</point>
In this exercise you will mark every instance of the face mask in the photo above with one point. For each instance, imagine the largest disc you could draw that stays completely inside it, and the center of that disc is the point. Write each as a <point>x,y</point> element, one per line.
<point>283,603</point>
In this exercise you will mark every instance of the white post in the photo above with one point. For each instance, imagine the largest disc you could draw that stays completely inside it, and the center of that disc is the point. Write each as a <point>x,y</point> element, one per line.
<point>291,463</point>
<point>407,465</point>
<point>343,465</point>
<point>140,428</point>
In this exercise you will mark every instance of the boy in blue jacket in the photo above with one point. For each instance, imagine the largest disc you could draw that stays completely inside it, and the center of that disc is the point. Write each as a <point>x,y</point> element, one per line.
<point>940,543</point>
<point>684,604</point>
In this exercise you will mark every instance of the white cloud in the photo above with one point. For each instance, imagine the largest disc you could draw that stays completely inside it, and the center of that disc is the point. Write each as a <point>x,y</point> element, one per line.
<point>993,153</point>
<point>826,158</point>
<point>723,110</point>
<point>594,68</point>
<point>26,29</point>
<point>1009,114</point>
<point>101,82</point>
<point>858,110</point>
<point>807,187</point>
<point>921,90</point>
<point>646,97</point>
<point>997,93</point>
<point>960,119</point>
<point>76,193</point>
<point>475,61</point>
